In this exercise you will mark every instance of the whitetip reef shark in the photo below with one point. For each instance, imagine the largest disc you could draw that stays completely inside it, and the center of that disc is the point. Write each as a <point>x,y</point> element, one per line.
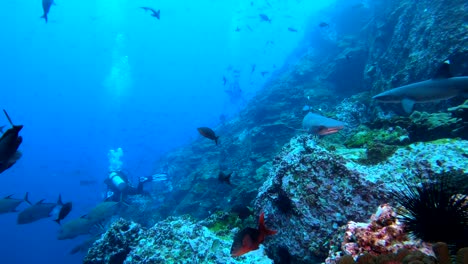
<point>441,87</point>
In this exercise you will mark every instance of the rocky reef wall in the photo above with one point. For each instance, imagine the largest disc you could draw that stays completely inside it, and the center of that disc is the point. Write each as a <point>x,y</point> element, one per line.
<point>392,44</point>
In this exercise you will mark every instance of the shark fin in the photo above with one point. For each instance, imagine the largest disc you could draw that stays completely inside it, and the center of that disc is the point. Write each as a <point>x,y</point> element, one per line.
<point>407,105</point>
<point>443,71</point>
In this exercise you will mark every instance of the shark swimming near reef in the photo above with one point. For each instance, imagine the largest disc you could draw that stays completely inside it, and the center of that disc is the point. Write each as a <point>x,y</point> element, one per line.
<point>441,87</point>
<point>321,125</point>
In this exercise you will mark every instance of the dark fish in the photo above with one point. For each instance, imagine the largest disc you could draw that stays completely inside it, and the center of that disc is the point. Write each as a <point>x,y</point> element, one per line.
<point>253,68</point>
<point>36,212</point>
<point>64,210</point>
<point>242,211</point>
<point>237,29</point>
<point>250,238</point>
<point>9,204</point>
<point>224,80</point>
<point>224,177</point>
<point>263,73</point>
<point>156,14</point>
<point>9,143</point>
<point>46,4</point>
<point>265,18</point>
<point>292,29</point>
<point>324,25</point>
<point>208,133</point>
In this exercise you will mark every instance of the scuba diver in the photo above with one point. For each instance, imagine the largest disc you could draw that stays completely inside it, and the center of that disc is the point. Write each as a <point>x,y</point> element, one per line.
<point>119,186</point>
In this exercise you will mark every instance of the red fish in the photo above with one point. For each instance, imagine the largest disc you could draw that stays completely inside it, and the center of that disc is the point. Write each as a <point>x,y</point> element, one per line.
<point>208,133</point>
<point>250,238</point>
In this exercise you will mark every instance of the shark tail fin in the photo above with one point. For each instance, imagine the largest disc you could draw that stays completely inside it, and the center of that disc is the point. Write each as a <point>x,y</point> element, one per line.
<point>45,17</point>
<point>157,14</point>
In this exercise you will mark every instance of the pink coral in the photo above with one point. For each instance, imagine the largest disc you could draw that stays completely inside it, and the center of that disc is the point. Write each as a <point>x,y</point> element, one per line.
<point>383,235</point>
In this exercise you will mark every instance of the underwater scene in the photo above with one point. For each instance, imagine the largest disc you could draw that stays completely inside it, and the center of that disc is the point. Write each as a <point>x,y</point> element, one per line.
<point>234,131</point>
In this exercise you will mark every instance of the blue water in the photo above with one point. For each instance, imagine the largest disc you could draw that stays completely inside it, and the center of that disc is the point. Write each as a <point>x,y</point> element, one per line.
<point>105,74</point>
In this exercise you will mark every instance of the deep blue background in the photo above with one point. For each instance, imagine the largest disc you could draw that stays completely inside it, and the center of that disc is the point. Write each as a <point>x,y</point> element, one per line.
<point>106,75</point>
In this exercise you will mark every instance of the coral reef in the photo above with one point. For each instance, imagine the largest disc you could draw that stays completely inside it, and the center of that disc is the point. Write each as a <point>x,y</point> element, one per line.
<point>306,193</point>
<point>382,236</point>
<point>348,58</point>
<point>309,187</point>
<point>174,240</point>
<point>115,245</point>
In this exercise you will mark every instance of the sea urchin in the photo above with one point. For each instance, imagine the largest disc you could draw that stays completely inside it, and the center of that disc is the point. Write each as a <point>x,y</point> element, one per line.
<point>435,212</point>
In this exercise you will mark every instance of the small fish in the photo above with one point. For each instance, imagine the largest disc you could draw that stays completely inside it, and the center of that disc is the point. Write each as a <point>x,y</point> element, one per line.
<point>265,18</point>
<point>324,25</point>
<point>9,143</point>
<point>46,4</point>
<point>224,80</point>
<point>64,210</point>
<point>226,178</point>
<point>237,29</point>
<point>156,14</point>
<point>253,68</point>
<point>249,28</point>
<point>442,86</point>
<point>292,29</point>
<point>36,212</point>
<point>208,133</point>
<point>250,238</point>
<point>9,204</point>
<point>263,73</point>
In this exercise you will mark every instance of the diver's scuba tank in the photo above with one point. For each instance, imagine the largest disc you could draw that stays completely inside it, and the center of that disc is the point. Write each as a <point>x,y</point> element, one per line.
<point>117,181</point>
